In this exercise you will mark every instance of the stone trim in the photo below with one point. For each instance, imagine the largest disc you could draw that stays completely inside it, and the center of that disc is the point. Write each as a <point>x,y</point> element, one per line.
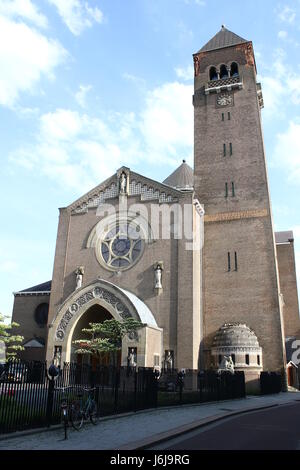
<point>227,216</point>
<point>139,185</point>
<point>19,294</point>
<point>96,292</point>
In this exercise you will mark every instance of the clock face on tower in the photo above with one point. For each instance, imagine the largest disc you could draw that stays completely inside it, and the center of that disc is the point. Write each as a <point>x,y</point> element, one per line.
<point>224,100</point>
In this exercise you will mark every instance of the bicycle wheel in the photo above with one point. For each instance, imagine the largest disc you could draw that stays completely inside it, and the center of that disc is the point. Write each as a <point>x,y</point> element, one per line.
<point>76,416</point>
<point>93,412</point>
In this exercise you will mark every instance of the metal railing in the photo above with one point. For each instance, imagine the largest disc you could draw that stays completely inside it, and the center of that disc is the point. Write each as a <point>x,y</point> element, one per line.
<point>30,397</point>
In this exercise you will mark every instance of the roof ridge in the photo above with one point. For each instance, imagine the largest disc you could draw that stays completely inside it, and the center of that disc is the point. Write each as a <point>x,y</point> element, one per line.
<point>223,38</point>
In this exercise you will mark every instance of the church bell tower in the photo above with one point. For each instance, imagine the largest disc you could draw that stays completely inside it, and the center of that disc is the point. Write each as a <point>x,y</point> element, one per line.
<point>240,276</point>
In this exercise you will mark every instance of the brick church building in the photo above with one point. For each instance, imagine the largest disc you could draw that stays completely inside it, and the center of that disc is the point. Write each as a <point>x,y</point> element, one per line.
<point>220,283</point>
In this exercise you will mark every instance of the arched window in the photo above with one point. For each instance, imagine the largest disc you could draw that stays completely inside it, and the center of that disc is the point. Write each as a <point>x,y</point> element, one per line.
<point>234,70</point>
<point>213,75</point>
<point>41,314</point>
<point>223,72</point>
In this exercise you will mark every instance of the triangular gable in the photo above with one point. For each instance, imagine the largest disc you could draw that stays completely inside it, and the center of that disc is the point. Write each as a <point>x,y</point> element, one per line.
<point>139,185</point>
<point>33,343</point>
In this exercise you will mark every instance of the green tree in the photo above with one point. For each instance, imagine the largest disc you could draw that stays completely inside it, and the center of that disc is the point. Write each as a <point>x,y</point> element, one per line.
<point>9,344</point>
<point>106,337</point>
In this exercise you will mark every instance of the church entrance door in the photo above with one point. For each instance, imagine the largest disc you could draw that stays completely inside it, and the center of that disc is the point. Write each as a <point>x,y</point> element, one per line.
<point>95,314</point>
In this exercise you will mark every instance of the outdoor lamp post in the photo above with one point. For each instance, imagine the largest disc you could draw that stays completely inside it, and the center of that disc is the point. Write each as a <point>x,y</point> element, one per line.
<point>53,373</point>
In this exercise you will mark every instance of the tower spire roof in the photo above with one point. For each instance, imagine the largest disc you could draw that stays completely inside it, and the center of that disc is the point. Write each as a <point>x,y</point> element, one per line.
<point>182,178</point>
<point>224,38</point>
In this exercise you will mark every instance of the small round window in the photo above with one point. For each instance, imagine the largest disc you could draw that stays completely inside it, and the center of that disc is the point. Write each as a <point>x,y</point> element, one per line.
<point>121,246</point>
<point>41,314</point>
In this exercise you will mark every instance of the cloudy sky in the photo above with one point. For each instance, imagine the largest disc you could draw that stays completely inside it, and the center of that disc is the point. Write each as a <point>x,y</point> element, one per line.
<point>89,85</point>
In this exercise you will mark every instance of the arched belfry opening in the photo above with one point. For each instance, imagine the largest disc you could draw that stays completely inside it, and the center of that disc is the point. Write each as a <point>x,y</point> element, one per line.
<point>95,314</point>
<point>234,70</point>
<point>223,72</point>
<point>213,74</point>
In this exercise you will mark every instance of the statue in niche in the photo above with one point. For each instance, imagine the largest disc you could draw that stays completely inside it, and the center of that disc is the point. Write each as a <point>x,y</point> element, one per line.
<point>169,360</point>
<point>196,65</point>
<point>57,356</point>
<point>131,359</point>
<point>79,276</point>
<point>123,183</point>
<point>158,276</point>
<point>226,365</point>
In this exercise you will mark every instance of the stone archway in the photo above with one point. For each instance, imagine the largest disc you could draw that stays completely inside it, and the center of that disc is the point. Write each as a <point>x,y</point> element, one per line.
<point>119,303</point>
<point>94,314</point>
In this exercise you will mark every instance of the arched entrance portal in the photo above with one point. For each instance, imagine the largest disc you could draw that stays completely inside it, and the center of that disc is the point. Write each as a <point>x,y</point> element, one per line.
<point>102,299</point>
<point>95,314</point>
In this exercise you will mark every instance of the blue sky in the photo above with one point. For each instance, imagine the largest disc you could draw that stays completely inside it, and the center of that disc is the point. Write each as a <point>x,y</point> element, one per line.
<point>87,86</point>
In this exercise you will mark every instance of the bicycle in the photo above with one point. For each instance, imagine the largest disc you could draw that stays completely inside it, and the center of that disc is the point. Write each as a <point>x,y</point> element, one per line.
<point>64,408</point>
<point>84,409</point>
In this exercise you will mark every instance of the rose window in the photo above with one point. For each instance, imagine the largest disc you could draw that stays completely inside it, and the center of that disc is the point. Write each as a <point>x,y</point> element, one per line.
<point>121,246</point>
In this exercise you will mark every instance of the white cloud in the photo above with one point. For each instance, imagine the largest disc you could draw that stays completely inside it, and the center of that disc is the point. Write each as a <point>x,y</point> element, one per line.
<point>167,122</point>
<point>25,56</point>
<point>282,34</point>
<point>78,151</point>
<point>23,9</point>
<point>286,14</point>
<point>77,14</point>
<point>287,151</point>
<point>186,73</point>
<point>81,95</point>
<point>201,3</point>
<point>278,85</point>
<point>8,266</point>
<point>138,81</point>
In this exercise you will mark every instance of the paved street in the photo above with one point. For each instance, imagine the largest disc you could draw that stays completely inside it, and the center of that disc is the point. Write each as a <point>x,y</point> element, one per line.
<point>273,429</point>
<point>118,432</point>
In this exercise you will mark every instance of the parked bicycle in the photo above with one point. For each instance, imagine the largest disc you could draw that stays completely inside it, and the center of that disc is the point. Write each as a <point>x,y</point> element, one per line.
<point>84,408</point>
<point>64,408</point>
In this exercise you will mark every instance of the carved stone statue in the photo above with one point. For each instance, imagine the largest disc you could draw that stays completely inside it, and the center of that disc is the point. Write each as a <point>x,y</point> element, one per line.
<point>79,276</point>
<point>226,365</point>
<point>131,359</point>
<point>57,356</point>
<point>158,276</point>
<point>169,360</point>
<point>123,183</point>
<point>196,65</point>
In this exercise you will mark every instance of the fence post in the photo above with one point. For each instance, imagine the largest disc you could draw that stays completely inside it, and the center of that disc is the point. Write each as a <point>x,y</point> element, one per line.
<point>180,383</point>
<point>135,389</point>
<point>116,389</point>
<point>50,401</point>
<point>156,378</point>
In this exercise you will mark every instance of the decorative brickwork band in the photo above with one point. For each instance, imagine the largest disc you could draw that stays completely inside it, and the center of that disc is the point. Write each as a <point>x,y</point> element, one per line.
<point>236,215</point>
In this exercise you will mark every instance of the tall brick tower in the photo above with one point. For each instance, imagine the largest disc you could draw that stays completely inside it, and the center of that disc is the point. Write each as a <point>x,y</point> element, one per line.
<point>239,262</point>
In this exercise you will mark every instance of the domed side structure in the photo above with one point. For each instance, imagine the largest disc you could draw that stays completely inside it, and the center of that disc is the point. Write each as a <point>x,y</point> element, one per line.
<point>240,342</point>
<point>182,178</point>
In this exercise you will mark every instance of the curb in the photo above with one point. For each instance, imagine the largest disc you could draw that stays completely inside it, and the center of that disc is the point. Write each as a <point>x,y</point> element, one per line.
<point>55,427</point>
<point>143,444</point>
<point>154,439</point>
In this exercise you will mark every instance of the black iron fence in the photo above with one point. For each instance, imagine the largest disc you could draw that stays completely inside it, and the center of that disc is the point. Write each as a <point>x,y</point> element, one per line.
<point>30,398</point>
<point>270,382</point>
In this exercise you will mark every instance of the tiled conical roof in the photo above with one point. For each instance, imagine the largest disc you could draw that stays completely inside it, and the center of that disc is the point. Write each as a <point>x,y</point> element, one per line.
<point>224,38</point>
<point>182,177</point>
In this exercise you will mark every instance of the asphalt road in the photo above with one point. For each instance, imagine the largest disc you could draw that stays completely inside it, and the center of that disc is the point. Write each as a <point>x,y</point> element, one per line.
<point>277,428</point>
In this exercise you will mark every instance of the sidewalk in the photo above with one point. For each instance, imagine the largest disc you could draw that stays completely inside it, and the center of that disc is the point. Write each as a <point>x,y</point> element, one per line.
<point>143,428</point>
